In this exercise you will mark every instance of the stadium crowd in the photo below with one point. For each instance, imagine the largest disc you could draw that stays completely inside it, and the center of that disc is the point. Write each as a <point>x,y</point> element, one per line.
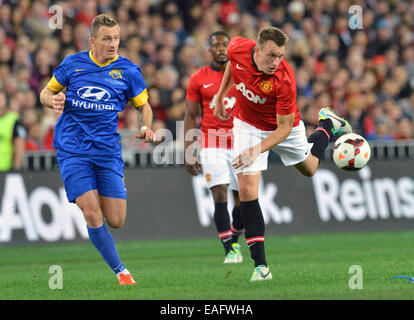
<point>366,74</point>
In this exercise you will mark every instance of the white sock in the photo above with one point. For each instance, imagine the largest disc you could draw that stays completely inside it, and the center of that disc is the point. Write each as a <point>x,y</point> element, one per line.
<point>125,271</point>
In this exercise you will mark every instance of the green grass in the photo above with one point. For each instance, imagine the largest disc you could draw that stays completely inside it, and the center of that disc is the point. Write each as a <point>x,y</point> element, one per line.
<point>303,267</point>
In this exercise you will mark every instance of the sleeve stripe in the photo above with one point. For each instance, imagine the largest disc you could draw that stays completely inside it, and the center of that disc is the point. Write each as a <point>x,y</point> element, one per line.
<point>54,85</point>
<point>140,99</point>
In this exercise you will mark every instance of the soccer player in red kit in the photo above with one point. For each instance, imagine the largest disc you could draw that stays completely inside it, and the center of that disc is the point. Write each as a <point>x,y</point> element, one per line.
<point>267,118</point>
<point>215,140</point>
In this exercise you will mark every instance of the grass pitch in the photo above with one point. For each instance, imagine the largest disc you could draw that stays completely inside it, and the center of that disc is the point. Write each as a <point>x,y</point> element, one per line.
<point>303,267</point>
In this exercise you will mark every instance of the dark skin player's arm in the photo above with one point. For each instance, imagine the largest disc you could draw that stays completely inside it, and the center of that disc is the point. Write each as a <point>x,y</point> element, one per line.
<point>190,122</point>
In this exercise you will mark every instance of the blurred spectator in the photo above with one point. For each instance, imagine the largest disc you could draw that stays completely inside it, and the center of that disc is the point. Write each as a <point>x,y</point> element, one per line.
<point>47,128</point>
<point>33,141</point>
<point>176,25</point>
<point>382,130</point>
<point>404,129</point>
<point>5,19</point>
<point>384,39</point>
<point>296,11</point>
<point>155,102</point>
<point>37,22</point>
<point>87,13</point>
<point>229,12</point>
<point>12,138</point>
<point>303,83</point>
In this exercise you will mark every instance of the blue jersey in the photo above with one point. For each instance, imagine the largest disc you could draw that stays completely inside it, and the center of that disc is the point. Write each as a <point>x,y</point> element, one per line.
<point>95,94</point>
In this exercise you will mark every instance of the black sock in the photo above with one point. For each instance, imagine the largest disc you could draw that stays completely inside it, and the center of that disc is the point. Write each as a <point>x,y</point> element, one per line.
<point>237,227</point>
<point>257,253</point>
<point>320,138</point>
<point>222,221</point>
<point>254,230</point>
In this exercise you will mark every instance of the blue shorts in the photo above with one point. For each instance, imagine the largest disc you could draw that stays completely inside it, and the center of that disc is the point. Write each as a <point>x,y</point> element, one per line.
<point>82,173</point>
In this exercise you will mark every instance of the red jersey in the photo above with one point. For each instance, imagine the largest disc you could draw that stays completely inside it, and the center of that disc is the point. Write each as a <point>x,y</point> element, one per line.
<point>259,97</point>
<point>202,88</point>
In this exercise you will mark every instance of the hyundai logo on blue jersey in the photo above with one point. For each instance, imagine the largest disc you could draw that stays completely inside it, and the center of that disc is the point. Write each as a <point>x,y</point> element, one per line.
<point>93,93</point>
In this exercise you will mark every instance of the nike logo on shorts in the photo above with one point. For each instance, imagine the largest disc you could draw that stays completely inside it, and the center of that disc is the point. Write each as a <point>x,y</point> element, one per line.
<point>207,85</point>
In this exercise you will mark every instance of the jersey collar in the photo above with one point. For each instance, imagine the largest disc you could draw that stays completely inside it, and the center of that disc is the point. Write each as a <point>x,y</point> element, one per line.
<point>101,64</point>
<point>213,67</point>
<point>254,63</point>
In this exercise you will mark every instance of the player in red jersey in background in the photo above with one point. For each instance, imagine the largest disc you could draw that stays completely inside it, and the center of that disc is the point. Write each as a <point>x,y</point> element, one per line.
<point>267,118</point>
<point>215,141</point>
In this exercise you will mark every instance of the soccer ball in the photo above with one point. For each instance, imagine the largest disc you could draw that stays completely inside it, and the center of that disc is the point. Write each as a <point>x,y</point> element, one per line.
<point>351,152</point>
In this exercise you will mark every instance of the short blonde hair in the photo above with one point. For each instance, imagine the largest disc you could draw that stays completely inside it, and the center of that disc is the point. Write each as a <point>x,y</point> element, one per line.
<point>102,20</point>
<point>274,34</point>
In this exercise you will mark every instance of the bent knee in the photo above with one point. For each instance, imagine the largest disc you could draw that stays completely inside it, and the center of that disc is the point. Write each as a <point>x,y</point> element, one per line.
<point>116,222</point>
<point>93,217</point>
<point>308,173</point>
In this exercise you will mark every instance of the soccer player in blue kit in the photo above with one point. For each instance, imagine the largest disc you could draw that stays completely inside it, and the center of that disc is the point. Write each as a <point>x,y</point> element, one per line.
<point>99,84</point>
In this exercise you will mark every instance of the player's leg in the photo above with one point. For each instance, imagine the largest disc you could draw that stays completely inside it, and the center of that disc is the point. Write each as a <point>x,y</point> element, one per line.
<point>330,127</point>
<point>237,226</point>
<point>112,190</point>
<point>90,205</point>
<point>99,235</point>
<point>114,211</point>
<point>221,215</point>
<point>246,136</point>
<point>252,216</point>
<point>308,167</point>
<point>234,255</point>
<point>80,181</point>
<point>223,226</point>
<point>112,197</point>
<point>214,165</point>
<point>319,140</point>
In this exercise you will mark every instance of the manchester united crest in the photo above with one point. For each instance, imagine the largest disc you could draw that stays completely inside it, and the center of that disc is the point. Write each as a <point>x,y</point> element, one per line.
<point>266,86</point>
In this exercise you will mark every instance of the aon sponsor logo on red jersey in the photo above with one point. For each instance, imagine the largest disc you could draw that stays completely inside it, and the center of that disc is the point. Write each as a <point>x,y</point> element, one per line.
<point>249,94</point>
